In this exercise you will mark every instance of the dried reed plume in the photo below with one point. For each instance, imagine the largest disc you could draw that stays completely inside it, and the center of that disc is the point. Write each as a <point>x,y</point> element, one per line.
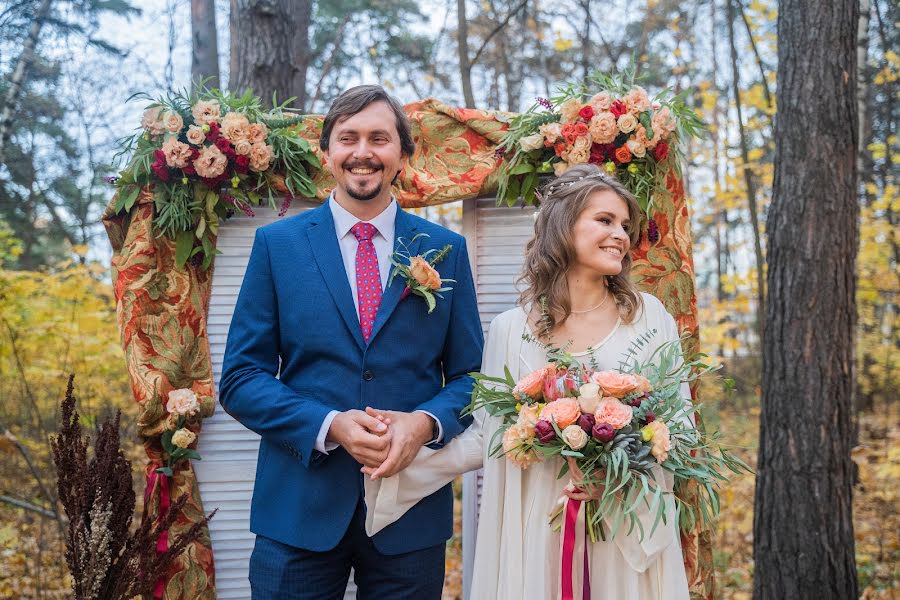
<point>107,560</point>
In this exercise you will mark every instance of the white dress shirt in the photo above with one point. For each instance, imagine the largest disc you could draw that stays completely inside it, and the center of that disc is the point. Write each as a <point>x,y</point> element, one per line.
<point>383,241</point>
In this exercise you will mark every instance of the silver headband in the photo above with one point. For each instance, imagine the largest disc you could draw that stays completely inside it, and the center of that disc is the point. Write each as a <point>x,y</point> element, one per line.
<point>553,187</point>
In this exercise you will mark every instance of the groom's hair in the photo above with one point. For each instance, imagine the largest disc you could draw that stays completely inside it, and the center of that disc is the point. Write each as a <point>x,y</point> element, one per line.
<point>358,98</point>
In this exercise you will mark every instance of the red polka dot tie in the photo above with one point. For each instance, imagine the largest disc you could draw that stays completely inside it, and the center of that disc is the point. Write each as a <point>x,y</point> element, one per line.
<point>368,277</point>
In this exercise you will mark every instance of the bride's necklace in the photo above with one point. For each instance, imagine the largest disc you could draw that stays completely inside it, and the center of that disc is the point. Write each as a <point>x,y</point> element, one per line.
<point>602,302</point>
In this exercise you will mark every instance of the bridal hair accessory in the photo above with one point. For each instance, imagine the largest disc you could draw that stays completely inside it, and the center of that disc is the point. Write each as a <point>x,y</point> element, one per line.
<point>553,187</point>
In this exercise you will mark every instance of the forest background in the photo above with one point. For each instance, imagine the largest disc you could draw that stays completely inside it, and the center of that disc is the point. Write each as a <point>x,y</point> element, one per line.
<point>66,68</point>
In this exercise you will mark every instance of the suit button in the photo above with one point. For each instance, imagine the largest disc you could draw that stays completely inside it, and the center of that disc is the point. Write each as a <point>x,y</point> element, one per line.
<point>368,375</point>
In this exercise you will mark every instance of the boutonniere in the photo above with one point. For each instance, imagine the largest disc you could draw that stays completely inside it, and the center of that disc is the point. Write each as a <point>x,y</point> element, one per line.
<point>422,279</point>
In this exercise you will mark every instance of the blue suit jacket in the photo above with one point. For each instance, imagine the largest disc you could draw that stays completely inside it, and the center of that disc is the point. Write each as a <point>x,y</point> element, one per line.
<point>295,305</point>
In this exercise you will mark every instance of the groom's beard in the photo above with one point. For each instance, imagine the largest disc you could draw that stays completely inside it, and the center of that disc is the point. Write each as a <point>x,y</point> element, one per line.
<point>359,193</point>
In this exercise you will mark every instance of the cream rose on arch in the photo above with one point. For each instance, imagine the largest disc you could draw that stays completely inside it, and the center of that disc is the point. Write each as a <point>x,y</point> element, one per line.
<point>532,142</point>
<point>195,135</point>
<point>183,402</point>
<point>234,127</point>
<point>178,154</point>
<point>211,162</point>
<point>172,121</point>
<point>205,112</point>
<point>183,437</point>
<point>152,122</point>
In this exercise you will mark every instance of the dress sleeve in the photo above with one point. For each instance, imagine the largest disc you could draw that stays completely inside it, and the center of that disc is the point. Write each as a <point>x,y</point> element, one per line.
<point>390,498</point>
<point>670,333</point>
<point>640,554</point>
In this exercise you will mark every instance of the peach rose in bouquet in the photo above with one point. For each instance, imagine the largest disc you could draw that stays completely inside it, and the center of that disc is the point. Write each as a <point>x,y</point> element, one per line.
<point>613,412</point>
<point>516,446</point>
<point>658,434</point>
<point>532,385</point>
<point>257,133</point>
<point>563,412</point>
<point>614,383</point>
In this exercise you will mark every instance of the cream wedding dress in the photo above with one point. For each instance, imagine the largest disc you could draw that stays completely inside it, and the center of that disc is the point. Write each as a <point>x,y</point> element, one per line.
<point>517,554</point>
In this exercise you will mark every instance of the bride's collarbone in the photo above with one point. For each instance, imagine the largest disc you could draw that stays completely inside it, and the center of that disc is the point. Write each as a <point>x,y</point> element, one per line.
<point>583,332</point>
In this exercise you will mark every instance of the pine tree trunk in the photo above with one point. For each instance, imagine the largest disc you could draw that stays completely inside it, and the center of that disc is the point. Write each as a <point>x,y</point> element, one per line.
<point>749,180</point>
<point>19,72</point>
<point>270,48</point>
<point>803,528</point>
<point>465,66</point>
<point>204,42</point>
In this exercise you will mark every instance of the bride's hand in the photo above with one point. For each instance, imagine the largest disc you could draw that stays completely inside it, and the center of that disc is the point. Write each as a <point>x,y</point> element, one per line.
<point>384,418</point>
<point>576,489</point>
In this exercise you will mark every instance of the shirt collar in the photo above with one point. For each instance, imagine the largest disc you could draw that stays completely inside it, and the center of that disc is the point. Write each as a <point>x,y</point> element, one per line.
<point>384,222</point>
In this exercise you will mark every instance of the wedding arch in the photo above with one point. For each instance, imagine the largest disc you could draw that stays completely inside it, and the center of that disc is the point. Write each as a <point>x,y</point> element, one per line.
<point>174,321</point>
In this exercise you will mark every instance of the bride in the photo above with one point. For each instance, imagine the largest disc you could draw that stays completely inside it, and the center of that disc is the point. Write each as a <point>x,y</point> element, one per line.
<point>577,294</point>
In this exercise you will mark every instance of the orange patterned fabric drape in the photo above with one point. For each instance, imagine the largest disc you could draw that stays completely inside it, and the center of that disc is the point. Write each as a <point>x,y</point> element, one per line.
<point>162,310</point>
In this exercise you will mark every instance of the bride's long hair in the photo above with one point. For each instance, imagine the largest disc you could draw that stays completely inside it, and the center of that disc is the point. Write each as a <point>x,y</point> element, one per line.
<point>550,252</point>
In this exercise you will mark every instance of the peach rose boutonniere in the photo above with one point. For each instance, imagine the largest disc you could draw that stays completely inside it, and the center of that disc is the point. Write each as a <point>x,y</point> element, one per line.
<point>422,278</point>
<point>177,438</point>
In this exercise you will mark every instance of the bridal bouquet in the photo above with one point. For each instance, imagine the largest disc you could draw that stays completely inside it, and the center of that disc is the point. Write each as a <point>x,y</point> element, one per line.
<point>617,426</point>
<point>207,153</point>
<point>615,125</point>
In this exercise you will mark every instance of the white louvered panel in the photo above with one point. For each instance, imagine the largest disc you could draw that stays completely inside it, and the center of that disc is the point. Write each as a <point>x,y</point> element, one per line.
<point>227,471</point>
<point>500,238</point>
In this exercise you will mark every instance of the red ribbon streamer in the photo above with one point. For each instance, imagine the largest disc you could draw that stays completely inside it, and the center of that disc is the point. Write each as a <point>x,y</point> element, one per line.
<point>162,543</point>
<point>568,555</point>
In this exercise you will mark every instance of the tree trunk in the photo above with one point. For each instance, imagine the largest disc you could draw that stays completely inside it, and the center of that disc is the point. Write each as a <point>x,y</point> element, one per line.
<point>749,180</point>
<point>759,62</point>
<point>19,72</point>
<point>268,48</point>
<point>302,53</point>
<point>803,528</point>
<point>720,217</point>
<point>204,42</point>
<point>465,67</point>
<point>586,62</point>
<point>863,100</point>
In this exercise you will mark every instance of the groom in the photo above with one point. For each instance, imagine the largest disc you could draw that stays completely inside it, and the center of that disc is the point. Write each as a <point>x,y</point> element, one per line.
<point>317,336</point>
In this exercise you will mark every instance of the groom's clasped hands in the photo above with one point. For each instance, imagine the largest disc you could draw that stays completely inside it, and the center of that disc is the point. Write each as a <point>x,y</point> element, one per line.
<point>384,441</point>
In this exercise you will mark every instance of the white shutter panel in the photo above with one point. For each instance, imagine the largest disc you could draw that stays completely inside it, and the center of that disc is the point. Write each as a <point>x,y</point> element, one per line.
<point>499,238</point>
<point>228,469</point>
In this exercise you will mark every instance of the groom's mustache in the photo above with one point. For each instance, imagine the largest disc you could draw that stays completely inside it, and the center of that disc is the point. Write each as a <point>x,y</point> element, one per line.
<point>362,164</point>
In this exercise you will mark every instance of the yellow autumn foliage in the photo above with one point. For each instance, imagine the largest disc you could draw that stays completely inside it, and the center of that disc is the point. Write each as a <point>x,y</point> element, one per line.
<point>52,323</point>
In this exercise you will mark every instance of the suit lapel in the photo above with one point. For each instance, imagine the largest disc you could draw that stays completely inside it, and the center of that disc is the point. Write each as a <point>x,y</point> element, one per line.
<point>405,229</point>
<point>327,252</point>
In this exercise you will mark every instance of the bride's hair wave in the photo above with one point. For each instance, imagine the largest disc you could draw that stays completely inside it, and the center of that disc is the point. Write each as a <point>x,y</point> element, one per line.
<point>551,251</point>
